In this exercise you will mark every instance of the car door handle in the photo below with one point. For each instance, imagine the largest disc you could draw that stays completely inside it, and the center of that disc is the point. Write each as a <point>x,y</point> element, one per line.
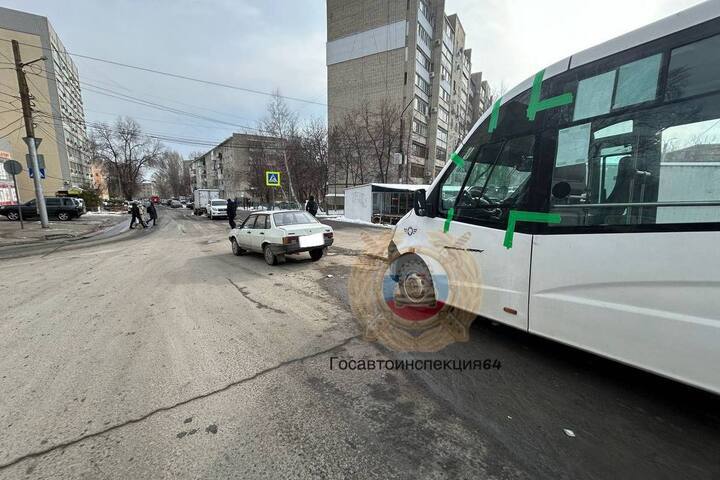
<point>262,233</point>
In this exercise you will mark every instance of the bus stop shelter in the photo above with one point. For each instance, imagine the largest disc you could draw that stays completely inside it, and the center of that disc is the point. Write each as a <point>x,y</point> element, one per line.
<point>380,202</point>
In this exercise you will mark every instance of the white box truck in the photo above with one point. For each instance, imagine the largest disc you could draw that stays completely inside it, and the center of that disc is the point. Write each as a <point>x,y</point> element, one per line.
<point>202,197</point>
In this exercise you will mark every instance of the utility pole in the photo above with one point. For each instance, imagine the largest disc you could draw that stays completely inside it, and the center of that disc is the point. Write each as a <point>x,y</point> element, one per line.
<point>30,139</point>
<point>405,158</point>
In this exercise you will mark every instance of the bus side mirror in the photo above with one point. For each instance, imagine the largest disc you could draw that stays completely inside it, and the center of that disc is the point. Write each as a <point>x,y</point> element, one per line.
<point>561,190</point>
<point>420,204</point>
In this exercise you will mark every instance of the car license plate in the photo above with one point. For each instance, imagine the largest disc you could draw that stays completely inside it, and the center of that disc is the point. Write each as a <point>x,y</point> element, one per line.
<point>313,240</point>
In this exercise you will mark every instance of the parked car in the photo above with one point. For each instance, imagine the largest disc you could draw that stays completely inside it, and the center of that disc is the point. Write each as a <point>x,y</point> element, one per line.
<point>81,204</point>
<point>175,204</point>
<point>216,208</point>
<point>280,233</point>
<point>62,208</point>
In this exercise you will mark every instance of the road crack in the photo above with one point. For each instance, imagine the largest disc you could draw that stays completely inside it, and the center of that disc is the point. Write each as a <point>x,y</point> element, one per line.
<point>152,413</point>
<point>246,294</point>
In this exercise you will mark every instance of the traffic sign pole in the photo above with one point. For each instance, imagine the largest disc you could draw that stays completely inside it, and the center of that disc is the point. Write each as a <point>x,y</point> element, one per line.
<point>14,168</point>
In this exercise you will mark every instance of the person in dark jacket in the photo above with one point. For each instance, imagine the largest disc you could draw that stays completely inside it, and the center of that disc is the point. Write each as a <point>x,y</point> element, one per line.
<point>153,213</point>
<point>312,206</point>
<point>136,215</point>
<point>231,212</point>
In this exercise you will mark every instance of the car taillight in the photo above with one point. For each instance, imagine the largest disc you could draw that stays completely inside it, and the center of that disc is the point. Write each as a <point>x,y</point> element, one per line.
<point>289,240</point>
<point>328,234</point>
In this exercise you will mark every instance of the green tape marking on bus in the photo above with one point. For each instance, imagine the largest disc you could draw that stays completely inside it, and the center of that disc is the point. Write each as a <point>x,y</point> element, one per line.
<point>494,115</point>
<point>450,215</point>
<point>457,159</point>
<point>522,216</point>
<point>537,105</point>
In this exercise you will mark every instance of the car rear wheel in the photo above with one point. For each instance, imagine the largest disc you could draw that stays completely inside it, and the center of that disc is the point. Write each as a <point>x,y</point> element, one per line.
<point>236,248</point>
<point>316,254</point>
<point>270,257</point>
<point>13,216</point>
<point>63,216</point>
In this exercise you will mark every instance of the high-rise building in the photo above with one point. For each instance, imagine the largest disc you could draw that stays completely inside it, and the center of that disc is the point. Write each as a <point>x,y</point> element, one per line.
<point>480,95</point>
<point>58,107</point>
<point>408,52</point>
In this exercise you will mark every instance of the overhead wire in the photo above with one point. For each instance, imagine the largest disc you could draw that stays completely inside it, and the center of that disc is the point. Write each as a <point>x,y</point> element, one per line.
<point>179,76</point>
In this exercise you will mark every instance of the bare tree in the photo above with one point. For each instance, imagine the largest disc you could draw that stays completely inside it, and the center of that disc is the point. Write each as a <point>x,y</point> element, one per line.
<point>381,124</point>
<point>281,123</point>
<point>126,153</point>
<point>170,175</point>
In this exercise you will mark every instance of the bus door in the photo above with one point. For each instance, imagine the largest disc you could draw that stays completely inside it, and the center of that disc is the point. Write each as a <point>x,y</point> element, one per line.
<point>494,180</point>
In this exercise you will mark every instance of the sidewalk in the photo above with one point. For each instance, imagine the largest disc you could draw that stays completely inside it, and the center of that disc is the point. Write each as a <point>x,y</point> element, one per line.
<point>88,225</point>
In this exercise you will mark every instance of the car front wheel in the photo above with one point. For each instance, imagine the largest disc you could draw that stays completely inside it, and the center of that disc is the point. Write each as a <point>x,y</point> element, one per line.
<point>63,216</point>
<point>270,258</point>
<point>13,216</point>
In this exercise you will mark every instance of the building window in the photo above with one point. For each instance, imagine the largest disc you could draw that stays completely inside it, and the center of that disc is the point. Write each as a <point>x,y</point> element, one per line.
<point>422,60</point>
<point>444,94</point>
<point>440,153</point>
<point>419,127</point>
<point>421,105</point>
<point>447,55</point>
<point>444,73</point>
<point>442,114</point>
<point>419,150</point>
<point>448,34</point>
<point>417,171</point>
<point>424,36</point>
<point>422,84</point>
<point>442,135</point>
<point>425,10</point>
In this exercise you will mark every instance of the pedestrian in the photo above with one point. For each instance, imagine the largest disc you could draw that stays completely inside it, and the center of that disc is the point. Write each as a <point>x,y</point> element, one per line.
<point>136,215</point>
<point>312,206</point>
<point>231,212</point>
<point>152,212</point>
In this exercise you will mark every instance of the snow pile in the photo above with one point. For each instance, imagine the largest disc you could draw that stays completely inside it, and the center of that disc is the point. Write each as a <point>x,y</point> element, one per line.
<point>344,219</point>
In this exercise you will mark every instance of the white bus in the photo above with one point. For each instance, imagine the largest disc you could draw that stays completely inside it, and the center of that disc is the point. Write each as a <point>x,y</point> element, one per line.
<point>622,141</point>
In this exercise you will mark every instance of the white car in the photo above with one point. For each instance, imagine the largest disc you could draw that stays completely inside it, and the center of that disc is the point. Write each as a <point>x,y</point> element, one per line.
<point>279,233</point>
<point>217,208</point>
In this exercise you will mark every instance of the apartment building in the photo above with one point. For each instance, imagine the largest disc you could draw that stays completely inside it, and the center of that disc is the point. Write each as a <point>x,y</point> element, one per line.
<point>409,52</point>
<point>232,165</point>
<point>480,95</point>
<point>54,84</point>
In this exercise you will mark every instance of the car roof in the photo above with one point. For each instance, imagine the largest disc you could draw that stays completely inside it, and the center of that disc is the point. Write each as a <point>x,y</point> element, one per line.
<point>284,211</point>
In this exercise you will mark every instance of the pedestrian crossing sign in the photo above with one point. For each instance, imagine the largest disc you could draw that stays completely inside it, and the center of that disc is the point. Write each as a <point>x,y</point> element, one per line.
<point>272,178</point>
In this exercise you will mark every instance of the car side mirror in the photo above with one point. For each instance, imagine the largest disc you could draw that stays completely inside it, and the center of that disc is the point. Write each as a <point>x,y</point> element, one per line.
<point>420,203</point>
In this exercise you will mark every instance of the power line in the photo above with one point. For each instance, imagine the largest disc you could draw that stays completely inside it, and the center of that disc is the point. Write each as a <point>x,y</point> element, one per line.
<point>181,77</point>
<point>146,103</point>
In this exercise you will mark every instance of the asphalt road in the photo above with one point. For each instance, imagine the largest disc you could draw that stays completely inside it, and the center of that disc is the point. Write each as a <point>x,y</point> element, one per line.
<point>162,355</point>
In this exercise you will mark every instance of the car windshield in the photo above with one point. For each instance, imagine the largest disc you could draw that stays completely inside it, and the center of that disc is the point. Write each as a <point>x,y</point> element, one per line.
<point>218,203</point>
<point>293,218</point>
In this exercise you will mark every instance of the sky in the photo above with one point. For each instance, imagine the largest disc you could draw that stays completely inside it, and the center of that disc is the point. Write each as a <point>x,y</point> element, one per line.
<point>266,45</point>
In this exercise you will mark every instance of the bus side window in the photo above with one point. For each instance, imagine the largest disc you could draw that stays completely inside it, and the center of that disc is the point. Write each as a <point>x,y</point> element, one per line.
<point>652,166</point>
